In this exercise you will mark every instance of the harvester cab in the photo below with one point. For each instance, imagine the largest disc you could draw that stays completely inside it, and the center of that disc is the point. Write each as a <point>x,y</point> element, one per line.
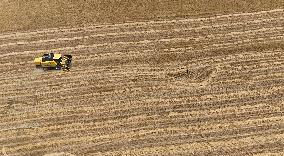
<point>53,61</point>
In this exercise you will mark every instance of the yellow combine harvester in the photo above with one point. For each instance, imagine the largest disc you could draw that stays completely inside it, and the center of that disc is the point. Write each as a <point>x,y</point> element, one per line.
<point>54,61</point>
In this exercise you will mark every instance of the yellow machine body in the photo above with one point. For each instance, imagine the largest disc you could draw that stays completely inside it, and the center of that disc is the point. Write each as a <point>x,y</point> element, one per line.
<point>53,61</point>
<point>49,64</point>
<point>37,61</point>
<point>57,56</point>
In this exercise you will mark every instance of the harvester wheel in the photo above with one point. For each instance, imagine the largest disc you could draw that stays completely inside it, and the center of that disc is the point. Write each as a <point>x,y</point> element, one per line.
<point>57,67</point>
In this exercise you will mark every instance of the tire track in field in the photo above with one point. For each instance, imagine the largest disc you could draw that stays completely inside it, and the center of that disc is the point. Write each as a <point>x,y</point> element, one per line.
<point>210,28</point>
<point>117,145</point>
<point>220,88</point>
<point>245,16</point>
<point>218,60</point>
<point>114,127</point>
<point>144,39</point>
<point>253,85</point>
<point>214,117</point>
<point>215,46</point>
<point>124,73</point>
<point>204,148</point>
<point>24,140</point>
<point>193,106</point>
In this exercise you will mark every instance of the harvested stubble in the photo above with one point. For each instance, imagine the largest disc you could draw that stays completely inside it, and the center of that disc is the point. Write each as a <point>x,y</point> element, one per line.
<point>208,84</point>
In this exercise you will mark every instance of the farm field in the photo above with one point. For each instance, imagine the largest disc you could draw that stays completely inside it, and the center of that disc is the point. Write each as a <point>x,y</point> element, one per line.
<point>190,85</point>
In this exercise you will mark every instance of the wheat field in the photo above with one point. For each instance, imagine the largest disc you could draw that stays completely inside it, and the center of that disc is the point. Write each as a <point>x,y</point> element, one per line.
<point>200,84</point>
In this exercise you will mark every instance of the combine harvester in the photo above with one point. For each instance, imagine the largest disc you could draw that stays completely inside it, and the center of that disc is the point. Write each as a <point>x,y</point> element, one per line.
<point>53,61</point>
